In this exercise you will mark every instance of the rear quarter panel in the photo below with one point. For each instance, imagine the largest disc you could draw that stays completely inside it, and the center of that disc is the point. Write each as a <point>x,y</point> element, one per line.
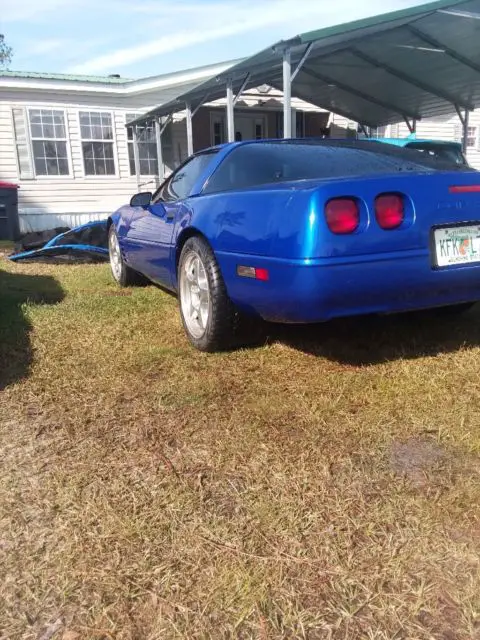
<point>260,222</point>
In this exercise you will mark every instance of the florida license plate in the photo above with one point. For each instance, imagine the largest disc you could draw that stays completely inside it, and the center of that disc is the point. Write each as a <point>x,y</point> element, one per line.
<point>457,245</point>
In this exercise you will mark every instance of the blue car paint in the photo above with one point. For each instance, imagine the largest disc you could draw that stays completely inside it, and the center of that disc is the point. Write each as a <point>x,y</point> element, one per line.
<point>315,275</point>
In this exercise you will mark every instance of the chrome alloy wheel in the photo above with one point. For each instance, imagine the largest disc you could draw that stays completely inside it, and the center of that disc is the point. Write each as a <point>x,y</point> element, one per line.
<point>194,294</point>
<point>115,256</point>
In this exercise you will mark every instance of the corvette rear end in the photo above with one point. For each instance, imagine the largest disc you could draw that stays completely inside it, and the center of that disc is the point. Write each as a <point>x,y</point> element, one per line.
<point>375,245</point>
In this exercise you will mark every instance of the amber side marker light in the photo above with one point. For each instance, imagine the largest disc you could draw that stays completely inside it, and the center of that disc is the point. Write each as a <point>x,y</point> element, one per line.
<point>465,188</point>
<point>257,273</point>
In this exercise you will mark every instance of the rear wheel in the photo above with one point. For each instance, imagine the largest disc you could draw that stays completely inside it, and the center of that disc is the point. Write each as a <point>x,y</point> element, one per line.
<point>122,274</point>
<point>211,320</point>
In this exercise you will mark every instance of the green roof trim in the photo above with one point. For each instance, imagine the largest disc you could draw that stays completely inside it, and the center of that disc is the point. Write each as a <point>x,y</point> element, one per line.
<point>34,75</point>
<point>365,23</point>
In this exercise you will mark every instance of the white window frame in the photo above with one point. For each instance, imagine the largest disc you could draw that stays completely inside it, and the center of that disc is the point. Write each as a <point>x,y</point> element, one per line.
<point>29,108</point>
<point>475,145</point>
<point>109,176</point>
<point>130,142</point>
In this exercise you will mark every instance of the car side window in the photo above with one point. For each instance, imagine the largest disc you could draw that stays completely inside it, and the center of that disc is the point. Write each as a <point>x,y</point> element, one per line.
<point>180,184</point>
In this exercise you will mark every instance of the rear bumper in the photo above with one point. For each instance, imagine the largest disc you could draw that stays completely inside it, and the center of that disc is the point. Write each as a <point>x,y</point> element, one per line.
<point>302,291</point>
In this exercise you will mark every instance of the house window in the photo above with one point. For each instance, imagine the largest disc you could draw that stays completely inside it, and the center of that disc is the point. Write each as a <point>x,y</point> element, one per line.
<point>97,143</point>
<point>147,149</point>
<point>49,142</point>
<point>472,137</point>
<point>218,131</point>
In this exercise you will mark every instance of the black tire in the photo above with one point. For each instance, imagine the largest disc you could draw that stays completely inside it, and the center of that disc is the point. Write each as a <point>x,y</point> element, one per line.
<point>224,328</point>
<point>123,275</point>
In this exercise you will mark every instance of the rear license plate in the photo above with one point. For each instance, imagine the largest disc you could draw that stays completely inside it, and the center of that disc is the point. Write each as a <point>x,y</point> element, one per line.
<point>457,245</point>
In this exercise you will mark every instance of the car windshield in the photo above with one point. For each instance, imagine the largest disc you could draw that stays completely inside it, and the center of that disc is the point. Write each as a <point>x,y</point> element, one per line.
<point>256,164</point>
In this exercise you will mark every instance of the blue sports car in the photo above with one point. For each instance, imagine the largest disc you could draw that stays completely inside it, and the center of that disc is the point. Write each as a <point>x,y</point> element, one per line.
<point>299,231</point>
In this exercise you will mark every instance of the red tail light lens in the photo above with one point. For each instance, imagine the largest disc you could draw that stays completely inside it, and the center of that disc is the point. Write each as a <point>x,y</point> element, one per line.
<point>343,215</point>
<point>390,210</point>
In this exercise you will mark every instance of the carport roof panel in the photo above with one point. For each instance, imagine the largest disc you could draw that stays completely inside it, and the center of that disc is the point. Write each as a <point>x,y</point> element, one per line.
<point>414,63</point>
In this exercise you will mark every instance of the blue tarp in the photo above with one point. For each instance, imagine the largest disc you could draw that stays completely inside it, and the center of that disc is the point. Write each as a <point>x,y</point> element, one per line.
<point>89,240</point>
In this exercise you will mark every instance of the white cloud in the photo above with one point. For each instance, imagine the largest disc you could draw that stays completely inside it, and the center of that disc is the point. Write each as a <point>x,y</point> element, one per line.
<point>180,25</point>
<point>23,10</point>
<point>41,47</point>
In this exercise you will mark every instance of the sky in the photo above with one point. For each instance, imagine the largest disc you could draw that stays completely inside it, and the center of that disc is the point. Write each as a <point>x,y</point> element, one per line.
<point>141,38</point>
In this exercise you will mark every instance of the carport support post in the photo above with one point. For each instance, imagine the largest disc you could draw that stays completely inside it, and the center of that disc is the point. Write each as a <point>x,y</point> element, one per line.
<point>287,94</point>
<point>464,120</point>
<point>230,112</point>
<point>158,139</point>
<point>412,126</point>
<point>188,107</point>
<point>136,157</point>
<point>465,131</point>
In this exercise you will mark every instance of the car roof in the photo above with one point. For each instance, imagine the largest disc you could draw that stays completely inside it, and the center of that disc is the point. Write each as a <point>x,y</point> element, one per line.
<point>365,143</point>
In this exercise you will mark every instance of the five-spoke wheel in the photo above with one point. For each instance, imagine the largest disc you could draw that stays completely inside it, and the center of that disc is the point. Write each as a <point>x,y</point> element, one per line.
<point>115,255</point>
<point>194,294</point>
<point>209,317</point>
<point>122,273</point>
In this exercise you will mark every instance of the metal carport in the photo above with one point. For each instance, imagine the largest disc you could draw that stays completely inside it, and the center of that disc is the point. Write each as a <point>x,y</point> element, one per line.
<point>405,65</point>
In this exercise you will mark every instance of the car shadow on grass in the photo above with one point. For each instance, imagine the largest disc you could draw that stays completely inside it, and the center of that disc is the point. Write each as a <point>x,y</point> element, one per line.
<point>16,291</point>
<point>367,340</point>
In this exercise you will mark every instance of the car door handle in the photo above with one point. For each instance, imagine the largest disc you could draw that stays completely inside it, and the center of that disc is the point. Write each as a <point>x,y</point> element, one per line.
<point>170,215</point>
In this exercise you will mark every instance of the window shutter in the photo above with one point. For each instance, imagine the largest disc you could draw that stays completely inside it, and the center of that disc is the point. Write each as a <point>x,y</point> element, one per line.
<point>22,143</point>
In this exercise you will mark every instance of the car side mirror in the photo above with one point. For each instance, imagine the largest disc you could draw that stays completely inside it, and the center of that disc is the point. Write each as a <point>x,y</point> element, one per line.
<point>142,199</point>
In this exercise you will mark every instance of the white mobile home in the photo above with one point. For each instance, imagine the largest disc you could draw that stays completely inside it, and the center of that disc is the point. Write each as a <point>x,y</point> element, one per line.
<point>64,140</point>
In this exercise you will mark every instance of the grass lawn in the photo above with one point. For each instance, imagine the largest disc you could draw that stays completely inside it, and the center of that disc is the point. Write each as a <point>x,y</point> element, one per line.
<point>324,485</point>
<point>6,246</point>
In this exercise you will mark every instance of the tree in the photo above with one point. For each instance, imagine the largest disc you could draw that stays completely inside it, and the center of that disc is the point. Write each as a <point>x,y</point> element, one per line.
<point>5,53</point>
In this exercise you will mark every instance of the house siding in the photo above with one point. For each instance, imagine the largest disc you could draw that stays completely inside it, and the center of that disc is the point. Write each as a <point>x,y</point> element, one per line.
<point>75,199</point>
<point>473,154</point>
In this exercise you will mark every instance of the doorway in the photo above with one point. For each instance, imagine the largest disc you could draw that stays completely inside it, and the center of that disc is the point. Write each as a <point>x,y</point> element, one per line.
<point>247,127</point>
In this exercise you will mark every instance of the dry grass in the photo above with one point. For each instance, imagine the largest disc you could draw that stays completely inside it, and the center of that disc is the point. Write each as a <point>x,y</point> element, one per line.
<point>322,486</point>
